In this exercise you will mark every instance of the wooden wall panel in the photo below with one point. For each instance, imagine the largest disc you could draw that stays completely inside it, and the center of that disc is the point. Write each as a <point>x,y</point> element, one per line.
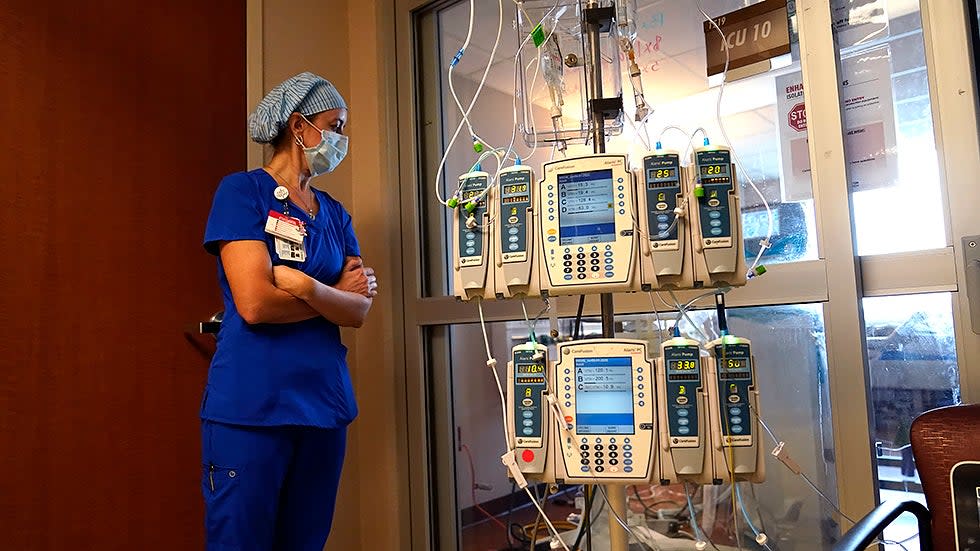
<point>117,120</point>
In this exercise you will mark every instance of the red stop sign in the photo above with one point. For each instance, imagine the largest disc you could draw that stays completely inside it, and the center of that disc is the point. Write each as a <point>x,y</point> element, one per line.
<point>797,117</point>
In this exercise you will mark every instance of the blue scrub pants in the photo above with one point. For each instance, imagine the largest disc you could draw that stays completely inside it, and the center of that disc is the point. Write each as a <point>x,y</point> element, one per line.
<point>270,488</point>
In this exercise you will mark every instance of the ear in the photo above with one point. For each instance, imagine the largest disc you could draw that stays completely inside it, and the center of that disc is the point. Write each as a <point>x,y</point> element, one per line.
<point>295,125</point>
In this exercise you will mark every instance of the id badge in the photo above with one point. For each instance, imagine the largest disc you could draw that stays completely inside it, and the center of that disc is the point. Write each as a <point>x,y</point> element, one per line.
<point>285,227</point>
<point>290,250</point>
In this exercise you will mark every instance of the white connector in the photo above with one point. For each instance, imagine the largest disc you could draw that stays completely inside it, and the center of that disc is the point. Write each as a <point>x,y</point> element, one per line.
<point>701,545</point>
<point>781,454</point>
<point>509,460</point>
<point>492,363</point>
<point>761,539</point>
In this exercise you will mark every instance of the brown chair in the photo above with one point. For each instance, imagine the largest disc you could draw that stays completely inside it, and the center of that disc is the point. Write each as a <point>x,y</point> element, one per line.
<point>941,439</point>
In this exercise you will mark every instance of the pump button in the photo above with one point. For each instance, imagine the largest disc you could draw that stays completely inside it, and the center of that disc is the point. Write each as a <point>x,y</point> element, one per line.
<point>661,206</point>
<point>682,400</point>
<point>527,402</point>
<point>713,202</point>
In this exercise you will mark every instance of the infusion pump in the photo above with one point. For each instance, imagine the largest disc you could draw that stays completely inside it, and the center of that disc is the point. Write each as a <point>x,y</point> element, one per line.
<point>685,441</point>
<point>473,238</point>
<point>530,419</point>
<point>664,253</point>
<point>607,399</point>
<point>716,225</point>
<point>733,406</point>
<point>514,219</point>
<point>586,211</point>
<point>590,226</point>
<point>603,413</point>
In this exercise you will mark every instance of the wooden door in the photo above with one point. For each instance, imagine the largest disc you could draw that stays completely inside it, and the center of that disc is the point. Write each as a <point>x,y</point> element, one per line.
<point>117,120</point>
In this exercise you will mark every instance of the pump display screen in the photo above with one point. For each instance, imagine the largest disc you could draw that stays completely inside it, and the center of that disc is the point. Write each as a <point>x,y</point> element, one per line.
<point>604,395</point>
<point>586,207</point>
<point>682,365</point>
<point>530,368</point>
<point>661,174</point>
<point>734,369</point>
<point>733,363</point>
<point>714,170</point>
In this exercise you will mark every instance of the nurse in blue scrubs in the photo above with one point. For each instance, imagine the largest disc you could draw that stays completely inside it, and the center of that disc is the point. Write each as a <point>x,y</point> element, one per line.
<point>279,396</point>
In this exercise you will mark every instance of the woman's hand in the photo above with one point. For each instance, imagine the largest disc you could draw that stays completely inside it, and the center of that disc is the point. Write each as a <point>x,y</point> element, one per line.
<point>355,278</point>
<point>293,281</point>
<point>372,282</point>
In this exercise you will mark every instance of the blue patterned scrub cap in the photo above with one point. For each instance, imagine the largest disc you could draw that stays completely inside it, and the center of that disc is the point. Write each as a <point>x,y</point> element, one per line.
<point>305,93</point>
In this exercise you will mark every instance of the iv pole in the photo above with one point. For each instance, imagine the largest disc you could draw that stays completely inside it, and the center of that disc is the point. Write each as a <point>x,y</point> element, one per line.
<point>594,20</point>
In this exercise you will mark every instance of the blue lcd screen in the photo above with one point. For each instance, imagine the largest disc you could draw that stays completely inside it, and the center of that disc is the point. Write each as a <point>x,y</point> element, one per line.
<point>604,395</point>
<point>586,213</point>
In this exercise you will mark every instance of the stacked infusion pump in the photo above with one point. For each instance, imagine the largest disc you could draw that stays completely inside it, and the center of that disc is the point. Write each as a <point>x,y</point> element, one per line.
<point>591,225</point>
<point>603,413</point>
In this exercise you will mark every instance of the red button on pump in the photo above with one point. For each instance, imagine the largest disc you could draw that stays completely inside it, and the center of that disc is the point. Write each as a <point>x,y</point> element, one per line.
<point>527,456</point>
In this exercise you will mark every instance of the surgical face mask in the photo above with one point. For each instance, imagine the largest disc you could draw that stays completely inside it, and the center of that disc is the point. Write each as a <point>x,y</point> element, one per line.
<point>327,155</point>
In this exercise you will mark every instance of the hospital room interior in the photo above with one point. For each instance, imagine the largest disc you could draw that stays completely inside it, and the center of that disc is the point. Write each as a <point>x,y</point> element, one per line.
<point>490,275</point>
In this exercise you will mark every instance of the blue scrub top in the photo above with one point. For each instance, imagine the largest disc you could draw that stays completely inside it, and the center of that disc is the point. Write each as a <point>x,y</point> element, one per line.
<point>278,374</point>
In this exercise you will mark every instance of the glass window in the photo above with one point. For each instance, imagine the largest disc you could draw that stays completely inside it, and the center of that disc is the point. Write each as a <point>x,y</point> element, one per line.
<point>912,360</point>
<point>671,53</point>
<point>795,403</point>
<point>889,137</point>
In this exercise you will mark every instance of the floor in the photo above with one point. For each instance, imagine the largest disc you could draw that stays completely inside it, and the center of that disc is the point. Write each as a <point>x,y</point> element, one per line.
<point>489,536</point>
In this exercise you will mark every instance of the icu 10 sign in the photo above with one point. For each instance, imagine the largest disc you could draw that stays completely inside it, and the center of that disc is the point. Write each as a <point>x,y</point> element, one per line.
<point>756,33</point>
